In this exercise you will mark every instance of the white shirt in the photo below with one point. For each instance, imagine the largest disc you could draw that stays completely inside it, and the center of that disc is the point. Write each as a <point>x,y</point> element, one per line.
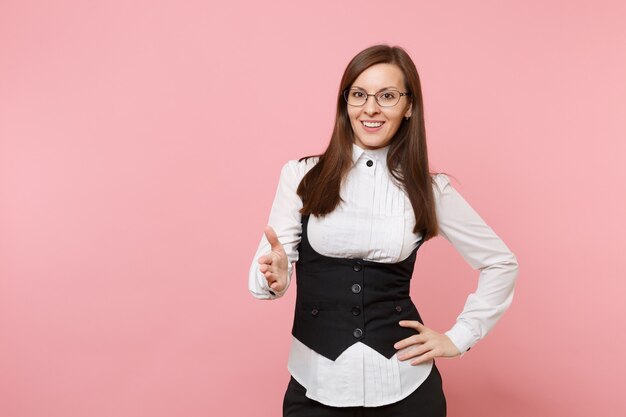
<point>375,222</point>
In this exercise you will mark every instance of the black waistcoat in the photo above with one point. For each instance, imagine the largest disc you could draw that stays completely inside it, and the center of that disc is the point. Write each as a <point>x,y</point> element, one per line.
<point>341,301</point>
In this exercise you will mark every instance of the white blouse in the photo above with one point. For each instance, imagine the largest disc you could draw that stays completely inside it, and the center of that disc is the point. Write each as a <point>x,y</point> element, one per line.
<point>375,222</point>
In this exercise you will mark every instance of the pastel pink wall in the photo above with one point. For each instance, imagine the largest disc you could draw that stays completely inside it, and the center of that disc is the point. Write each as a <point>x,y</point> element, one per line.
<point>140,147</point>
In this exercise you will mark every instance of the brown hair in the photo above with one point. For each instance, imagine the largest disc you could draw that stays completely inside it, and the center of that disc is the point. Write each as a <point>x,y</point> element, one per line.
<point>407,158</point>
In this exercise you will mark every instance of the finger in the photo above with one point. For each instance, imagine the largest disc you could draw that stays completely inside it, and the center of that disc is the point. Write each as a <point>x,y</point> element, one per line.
<point>411,340</point>
<point>270,277</point>
<point>272,238</point>
<point>265,259</point>
<point>414,351</point>
<point>424,358</point>
<point>274,285</point>
<point>412,323</point>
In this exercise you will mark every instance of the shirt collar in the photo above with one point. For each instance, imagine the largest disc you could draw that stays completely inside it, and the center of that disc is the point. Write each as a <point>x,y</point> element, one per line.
<point>379,154</point>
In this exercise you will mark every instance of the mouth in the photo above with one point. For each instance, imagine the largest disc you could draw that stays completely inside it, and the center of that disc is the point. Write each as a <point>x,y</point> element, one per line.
<point>372,125</point>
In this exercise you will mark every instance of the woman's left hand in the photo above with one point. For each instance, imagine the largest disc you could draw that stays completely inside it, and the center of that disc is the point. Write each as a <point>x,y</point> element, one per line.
<point>426,345</point>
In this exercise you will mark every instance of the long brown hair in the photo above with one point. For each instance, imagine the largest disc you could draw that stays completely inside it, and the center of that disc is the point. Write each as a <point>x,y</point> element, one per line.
<point>407,158</point>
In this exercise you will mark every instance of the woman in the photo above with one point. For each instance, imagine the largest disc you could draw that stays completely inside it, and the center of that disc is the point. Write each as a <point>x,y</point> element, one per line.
<point>352,220</point>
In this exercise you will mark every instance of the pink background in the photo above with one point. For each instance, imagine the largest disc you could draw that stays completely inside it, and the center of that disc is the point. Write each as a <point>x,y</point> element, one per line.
<point>140,148</point>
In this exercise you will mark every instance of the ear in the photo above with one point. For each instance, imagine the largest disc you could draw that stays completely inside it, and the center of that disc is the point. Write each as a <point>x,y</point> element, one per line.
<point>409,110</point>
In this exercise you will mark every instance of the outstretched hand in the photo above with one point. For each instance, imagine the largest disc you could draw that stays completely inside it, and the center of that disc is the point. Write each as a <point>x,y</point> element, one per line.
<point>274,264</point>
<point>426,345</point>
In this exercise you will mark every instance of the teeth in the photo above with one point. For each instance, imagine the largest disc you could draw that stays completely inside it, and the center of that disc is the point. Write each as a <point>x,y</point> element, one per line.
<point>371,124</point>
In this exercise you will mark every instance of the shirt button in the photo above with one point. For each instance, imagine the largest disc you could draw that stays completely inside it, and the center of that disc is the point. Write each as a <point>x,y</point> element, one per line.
<point>357,266</point>
<point>315,312</point>
<point>356,288</point>
<point>370,163</point>
<point>398,309</point>
<point>357,333</point>
<point>356,310</point>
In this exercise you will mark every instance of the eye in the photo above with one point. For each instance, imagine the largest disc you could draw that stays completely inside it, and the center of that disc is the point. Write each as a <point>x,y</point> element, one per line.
<point>357,93</point>
<point>388,95</point>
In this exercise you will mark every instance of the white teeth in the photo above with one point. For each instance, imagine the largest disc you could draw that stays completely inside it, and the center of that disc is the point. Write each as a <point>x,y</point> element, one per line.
<point>371,124</point>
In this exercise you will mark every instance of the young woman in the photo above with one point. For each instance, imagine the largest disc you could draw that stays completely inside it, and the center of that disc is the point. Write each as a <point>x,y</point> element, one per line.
<point>352,220</point>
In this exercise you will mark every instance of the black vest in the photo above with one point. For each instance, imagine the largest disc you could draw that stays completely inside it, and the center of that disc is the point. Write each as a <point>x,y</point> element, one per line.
<point>341,301</point>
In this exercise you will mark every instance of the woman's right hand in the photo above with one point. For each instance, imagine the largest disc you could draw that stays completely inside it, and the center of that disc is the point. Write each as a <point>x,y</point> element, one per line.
<point>274,264</point>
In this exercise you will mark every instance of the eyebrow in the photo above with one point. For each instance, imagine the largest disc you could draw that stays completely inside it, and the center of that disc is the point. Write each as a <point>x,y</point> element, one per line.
<point>384,88</point>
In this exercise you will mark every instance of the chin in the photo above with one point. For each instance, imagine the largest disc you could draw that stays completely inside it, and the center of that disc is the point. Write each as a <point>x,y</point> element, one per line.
<point>374,143</point>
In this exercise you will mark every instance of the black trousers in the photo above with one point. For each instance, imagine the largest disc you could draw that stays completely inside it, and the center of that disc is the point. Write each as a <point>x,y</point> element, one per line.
<point>428,400</point>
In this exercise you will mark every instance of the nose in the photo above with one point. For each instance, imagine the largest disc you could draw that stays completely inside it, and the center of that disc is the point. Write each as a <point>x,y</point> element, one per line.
<point>371,106</point>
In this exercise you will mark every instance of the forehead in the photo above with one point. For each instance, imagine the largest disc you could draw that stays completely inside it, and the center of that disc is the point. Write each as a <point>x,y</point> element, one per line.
<point>380,76</point>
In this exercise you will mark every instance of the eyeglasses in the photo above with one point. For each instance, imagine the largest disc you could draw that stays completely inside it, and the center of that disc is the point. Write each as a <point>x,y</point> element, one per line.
<point>385,98</point>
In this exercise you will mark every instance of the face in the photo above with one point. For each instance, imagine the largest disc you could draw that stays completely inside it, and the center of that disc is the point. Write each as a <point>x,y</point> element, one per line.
<point>372,80</point>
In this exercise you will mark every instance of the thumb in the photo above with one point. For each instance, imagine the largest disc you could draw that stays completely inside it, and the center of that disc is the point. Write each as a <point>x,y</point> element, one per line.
<point>272,238</point>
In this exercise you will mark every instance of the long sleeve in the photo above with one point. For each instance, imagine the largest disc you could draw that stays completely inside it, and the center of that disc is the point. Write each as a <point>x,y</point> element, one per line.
<point>375,221</point>
<point>484,251</point>
<point>285,219</point>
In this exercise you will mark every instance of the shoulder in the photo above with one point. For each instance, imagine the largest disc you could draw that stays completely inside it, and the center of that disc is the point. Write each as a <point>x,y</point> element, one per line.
<point>440,182</point>
<point>295,169</point>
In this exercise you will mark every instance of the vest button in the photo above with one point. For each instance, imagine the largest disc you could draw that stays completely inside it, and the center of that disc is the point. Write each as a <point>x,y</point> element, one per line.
<point>357,333</point>
<point>356,310</point>
<point>315,312</point>
<point>370,163</point>
<point>398,309</point>
<point>357,266</point>
<point>356,288</point>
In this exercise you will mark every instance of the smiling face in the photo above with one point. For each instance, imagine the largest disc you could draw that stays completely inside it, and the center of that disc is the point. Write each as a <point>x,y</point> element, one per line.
<point>372,80</point>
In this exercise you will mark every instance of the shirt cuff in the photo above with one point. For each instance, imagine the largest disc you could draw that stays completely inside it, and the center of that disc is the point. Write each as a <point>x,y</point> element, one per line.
<point>462,337</point>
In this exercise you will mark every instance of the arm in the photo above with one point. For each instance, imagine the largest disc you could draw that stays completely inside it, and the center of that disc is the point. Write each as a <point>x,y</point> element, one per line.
<point>484,251</point>
<point>285,219</point>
